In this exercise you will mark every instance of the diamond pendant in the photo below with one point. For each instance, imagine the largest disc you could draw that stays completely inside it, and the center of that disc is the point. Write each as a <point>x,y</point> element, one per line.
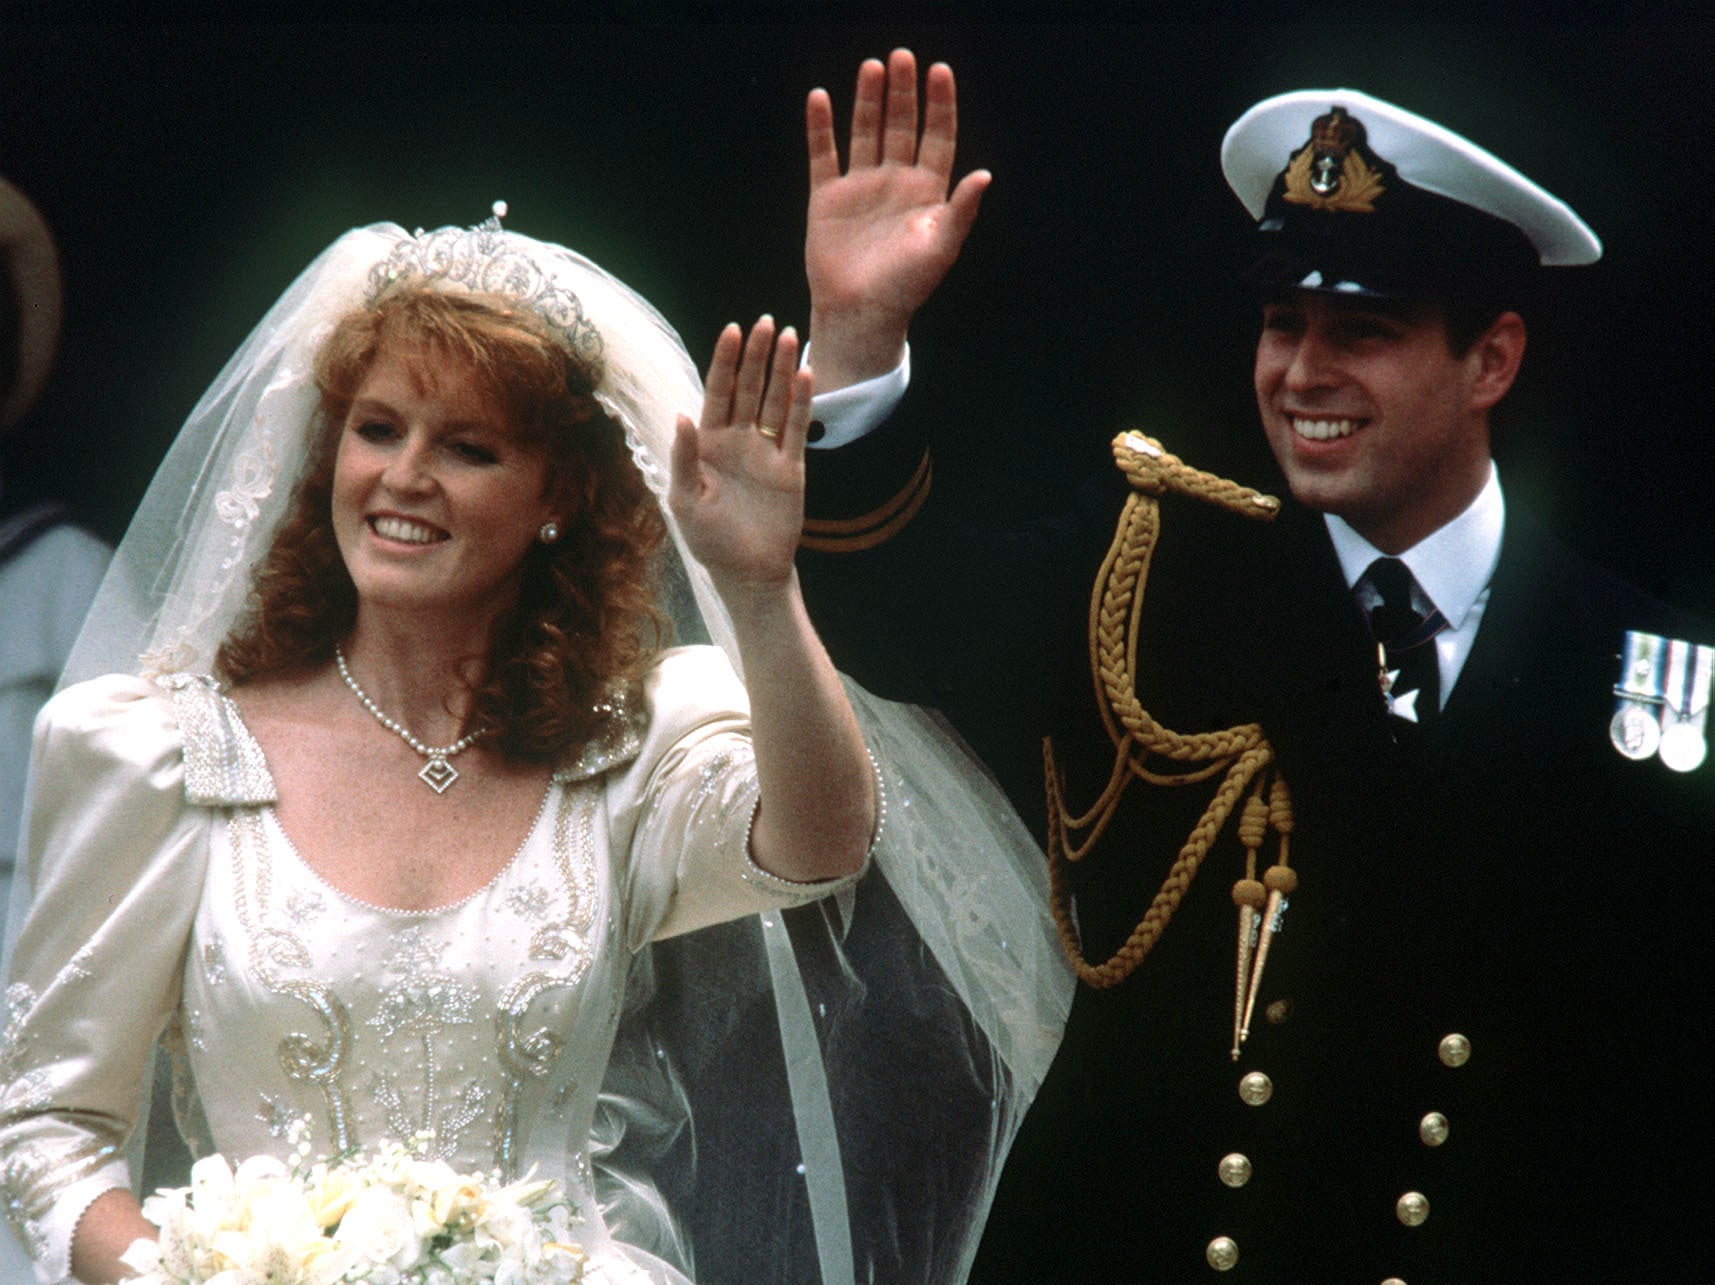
<point>438,774</point>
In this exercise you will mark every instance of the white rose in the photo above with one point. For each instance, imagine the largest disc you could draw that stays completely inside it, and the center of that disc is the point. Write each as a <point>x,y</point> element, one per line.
<point>378,1228</point>
<point>505,1225</point>
<point>456,1200</point>
<point>261,1169</point>
<point>330,1194</point>
<point>428,1175</point>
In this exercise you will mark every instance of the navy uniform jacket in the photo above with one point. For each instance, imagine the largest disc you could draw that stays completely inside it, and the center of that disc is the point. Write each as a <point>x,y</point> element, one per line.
<point>1510,878</point>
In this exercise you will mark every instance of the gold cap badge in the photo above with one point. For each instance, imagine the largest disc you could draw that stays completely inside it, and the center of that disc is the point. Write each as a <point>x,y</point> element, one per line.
<point>1330,171</point>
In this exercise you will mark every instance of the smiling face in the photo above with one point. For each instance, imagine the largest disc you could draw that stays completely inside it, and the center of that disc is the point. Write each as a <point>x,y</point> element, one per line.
<point>436,500</point>
<point>1373,416</point>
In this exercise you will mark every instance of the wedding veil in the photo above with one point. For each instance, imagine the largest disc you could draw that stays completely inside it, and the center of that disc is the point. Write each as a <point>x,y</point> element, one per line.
<point>830,1090</point>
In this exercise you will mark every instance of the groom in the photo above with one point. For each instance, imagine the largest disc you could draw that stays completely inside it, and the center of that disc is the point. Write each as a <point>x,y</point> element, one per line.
<point>1473,1056</point>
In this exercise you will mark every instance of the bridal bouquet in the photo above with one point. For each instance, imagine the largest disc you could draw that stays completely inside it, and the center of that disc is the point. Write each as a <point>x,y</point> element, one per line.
<point>387,1217</point>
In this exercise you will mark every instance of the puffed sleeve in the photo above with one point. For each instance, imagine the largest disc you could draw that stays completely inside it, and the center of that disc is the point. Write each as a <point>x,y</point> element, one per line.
<point>680,813</point>
<point>116,855</point>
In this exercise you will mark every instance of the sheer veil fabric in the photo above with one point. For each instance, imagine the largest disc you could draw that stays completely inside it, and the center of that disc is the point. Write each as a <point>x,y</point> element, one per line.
<point>824,1093</point>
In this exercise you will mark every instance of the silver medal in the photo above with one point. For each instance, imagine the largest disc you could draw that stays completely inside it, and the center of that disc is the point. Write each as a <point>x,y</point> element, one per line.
<point>1685,709</point>
<point>1683,747</point>
<point>1635,728</point>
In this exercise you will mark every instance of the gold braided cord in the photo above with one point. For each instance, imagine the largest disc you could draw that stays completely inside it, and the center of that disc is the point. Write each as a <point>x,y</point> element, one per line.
<point>1238,755</point>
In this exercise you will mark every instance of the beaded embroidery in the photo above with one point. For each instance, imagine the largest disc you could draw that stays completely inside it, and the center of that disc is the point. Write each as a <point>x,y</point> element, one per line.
<point>272,949</point>
<point>422,999</point>
<point>525,1057</point>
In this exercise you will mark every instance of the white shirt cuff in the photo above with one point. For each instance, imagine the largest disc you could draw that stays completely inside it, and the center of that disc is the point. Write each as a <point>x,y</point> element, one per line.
<point>852,412</point>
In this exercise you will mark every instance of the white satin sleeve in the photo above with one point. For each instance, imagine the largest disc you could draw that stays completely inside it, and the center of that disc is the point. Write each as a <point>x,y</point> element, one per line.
<point>116,856</point>
<point>680,813</point>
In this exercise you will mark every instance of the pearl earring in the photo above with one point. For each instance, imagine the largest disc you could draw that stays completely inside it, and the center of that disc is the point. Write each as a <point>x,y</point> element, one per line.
<point>549,533</point>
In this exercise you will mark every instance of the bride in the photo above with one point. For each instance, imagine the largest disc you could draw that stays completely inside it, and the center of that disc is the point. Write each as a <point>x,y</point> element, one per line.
<point>377,830</point>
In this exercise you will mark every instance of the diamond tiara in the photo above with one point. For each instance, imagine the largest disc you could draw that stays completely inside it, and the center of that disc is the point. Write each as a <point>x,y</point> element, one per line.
<point>489,260</point>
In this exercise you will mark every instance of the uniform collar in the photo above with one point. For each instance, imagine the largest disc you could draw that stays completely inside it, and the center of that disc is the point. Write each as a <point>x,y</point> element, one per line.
<point>1452,565</point>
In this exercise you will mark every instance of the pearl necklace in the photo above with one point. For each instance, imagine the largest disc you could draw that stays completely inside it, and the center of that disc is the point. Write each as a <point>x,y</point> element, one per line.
<point>437,773</point>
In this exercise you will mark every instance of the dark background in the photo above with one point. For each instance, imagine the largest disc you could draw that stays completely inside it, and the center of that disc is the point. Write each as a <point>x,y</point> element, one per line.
<point>192,166</point>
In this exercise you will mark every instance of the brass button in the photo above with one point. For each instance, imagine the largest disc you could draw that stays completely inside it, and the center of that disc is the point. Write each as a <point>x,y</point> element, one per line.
<point>1235,1169</point>
<point>1455,1050</point>
<point>1432,1129</point>
<point>1256,1088</point>
<point>1223,1254</point>
<point>1278,1012</point>
<point>1412,1208</point>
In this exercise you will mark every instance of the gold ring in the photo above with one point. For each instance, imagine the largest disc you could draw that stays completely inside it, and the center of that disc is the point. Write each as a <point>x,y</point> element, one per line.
<point>770,433</point>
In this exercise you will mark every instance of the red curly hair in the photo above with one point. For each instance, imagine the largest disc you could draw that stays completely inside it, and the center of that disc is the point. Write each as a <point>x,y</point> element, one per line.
<point>586,617</point>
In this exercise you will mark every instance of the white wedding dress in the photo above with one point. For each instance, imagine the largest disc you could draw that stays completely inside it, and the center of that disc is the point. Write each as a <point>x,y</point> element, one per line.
<point>177,903</point>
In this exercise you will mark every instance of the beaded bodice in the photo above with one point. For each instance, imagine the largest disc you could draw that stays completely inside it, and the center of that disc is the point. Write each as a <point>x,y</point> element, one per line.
<point>476,1021</point>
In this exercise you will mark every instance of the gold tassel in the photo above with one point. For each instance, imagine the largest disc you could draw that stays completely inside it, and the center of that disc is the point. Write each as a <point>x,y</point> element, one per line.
<point>1279,881</point>
<point>1248,895</point>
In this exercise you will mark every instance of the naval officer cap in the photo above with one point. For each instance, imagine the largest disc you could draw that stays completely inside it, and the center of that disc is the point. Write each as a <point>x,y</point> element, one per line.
<point>1354,195</point>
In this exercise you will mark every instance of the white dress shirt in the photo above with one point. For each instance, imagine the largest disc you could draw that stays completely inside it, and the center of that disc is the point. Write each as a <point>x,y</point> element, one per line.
<point>1451,569</point>
<point>856,410</point>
